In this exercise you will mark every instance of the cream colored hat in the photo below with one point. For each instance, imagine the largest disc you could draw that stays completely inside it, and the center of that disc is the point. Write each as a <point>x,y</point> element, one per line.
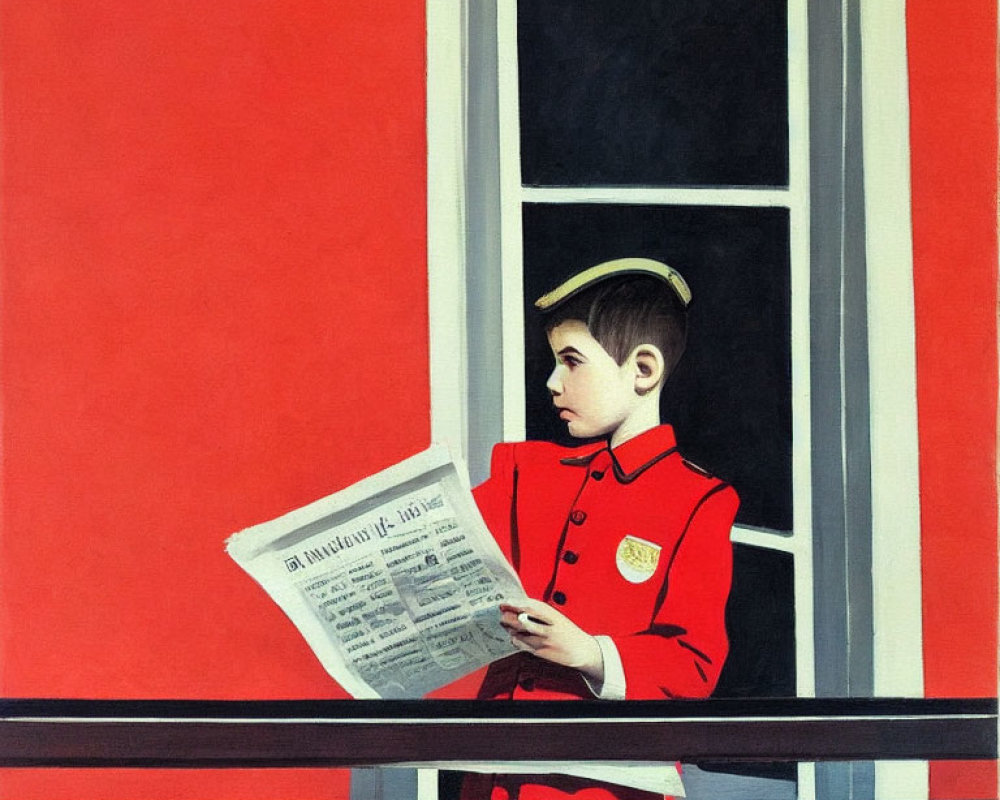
<point>612,269</point>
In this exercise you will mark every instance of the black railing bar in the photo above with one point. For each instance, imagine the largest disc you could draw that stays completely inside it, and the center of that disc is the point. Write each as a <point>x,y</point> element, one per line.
<point>511,720</point>
<point>360,743</point>
<point>441,710</point>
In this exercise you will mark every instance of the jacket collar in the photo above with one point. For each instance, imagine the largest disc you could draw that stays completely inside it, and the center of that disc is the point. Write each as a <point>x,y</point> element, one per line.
<point>630,459</point>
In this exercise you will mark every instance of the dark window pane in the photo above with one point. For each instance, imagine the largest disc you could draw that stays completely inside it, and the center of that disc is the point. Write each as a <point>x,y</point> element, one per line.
<point>653,92</point>
<point>760,620</point>
<point>730,397</point>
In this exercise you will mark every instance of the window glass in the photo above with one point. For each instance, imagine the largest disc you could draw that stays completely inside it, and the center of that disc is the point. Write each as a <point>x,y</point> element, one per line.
<point>653,93</point>
<point>760,619</point>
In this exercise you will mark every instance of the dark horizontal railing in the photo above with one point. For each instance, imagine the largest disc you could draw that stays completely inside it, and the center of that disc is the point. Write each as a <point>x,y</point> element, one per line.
<point>344,733</point>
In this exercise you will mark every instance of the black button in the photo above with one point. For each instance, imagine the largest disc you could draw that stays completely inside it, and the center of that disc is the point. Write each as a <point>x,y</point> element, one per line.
<point>559,598</point>
<point>577,517</point>
<point>526,682</point>
<point>596,475</point>
<point>570,557</point>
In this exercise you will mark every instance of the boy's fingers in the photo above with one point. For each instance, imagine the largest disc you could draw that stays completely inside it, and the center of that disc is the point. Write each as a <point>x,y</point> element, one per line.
<point>534,608</point>
<point>532,623</point>
<point>510,621</point>
<point>527,641</point>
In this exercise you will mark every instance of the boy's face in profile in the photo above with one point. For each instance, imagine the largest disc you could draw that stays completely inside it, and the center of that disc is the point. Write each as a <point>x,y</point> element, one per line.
<point>593,394</point>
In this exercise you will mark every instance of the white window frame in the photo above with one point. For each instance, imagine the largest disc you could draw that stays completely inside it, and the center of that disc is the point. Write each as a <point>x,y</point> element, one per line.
<point>897,647</point>
<point>897,587</point>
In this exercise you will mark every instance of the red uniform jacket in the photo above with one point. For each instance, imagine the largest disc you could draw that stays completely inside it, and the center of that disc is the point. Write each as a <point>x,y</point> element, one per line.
<point>631,543</point>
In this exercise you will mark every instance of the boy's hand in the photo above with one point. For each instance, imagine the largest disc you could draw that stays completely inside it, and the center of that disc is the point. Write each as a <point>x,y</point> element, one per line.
<point>538,628</point>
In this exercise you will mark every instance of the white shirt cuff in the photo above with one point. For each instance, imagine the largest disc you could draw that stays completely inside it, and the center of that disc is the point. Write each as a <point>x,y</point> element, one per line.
<point>613,686</point>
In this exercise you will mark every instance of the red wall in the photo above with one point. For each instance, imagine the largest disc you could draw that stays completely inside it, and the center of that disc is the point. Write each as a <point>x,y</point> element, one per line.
<point>213,310</point>
<point>953,59</point>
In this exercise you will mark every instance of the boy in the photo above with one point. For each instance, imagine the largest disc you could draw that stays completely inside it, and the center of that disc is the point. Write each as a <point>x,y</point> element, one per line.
<point>623,542</point>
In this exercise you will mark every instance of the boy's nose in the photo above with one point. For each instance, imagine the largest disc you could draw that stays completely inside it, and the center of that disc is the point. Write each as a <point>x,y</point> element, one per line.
<point>553,384</point>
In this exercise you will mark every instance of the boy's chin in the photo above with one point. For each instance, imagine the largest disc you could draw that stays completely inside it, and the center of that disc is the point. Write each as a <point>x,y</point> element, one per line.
<point>578,431</point>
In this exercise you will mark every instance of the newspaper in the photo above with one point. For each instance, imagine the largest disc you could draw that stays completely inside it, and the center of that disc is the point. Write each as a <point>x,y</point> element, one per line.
<point>395,582</point>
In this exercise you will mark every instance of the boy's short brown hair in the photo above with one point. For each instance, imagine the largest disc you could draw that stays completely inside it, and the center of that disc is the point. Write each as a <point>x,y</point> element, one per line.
<point>625,311</point>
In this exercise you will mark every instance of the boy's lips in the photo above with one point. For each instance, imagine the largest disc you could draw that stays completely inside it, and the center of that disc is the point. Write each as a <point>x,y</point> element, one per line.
<point>564,413</point>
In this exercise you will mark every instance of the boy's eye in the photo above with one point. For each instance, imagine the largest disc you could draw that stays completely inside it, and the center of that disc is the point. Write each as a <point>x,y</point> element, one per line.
<point>571,361</point>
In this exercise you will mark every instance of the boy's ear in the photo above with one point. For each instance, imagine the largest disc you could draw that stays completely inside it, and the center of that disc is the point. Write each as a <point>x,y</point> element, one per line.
<point>649,367</point>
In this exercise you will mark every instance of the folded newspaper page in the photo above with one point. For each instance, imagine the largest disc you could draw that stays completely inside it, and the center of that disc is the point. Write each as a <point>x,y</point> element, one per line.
<point>395,582</point>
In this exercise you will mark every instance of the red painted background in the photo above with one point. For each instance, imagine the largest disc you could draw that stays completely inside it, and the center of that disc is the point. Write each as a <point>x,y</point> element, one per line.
<point>953,119</point>
<point>213,310</point>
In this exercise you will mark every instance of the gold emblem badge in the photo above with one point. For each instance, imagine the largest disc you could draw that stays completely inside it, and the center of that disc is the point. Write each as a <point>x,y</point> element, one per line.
<point>636,559</point>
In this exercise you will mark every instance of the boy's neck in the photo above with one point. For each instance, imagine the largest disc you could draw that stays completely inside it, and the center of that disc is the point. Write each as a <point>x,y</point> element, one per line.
<point>644,418</point>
